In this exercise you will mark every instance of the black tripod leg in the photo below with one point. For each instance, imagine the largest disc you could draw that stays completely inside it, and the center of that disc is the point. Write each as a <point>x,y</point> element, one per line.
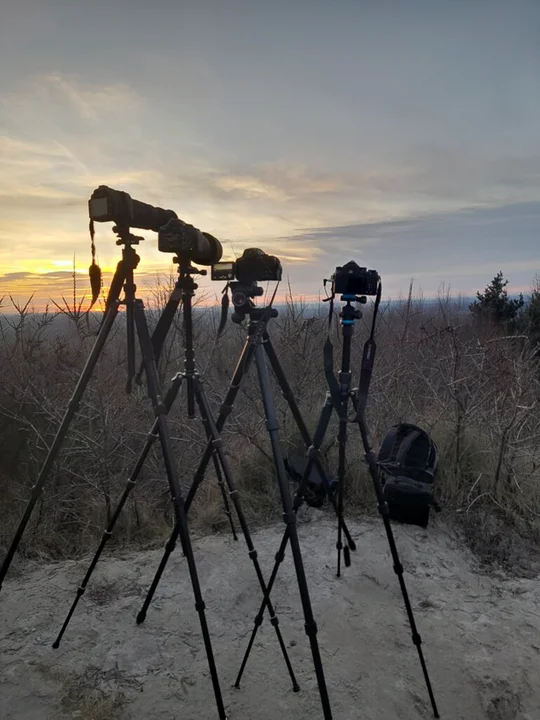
<point>162,328</point>
<point>73,405</point>
<point>290,521</point>
<point>318,438</point>
<point>219,475</point>
<point>130,339</point>
<point>342,440</point>
<point>312,452</point>
<point>152,437</point>
<point>242,367</point>
<point>206,414</point>
<point>176,492</point>
<point>224,497</point>
<point>280,555</point>
<point>398,567</point>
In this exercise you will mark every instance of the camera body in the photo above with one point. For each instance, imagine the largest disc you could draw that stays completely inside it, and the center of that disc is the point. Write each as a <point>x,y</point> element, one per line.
<point>253,266</point>
<point>177,237</point>
<point>351,279</point>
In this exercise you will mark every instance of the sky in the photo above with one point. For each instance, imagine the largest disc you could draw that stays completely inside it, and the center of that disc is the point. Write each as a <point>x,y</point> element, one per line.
<point>402,135</point>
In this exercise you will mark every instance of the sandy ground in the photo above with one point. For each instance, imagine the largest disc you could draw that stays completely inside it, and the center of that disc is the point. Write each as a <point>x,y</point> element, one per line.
<point>481,634</point>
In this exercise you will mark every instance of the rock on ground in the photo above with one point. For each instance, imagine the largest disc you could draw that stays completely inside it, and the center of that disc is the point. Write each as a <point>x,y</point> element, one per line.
<point>481,634</point>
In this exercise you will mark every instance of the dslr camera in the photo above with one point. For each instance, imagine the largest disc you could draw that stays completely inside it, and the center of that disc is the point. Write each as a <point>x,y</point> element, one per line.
<point>351,279</point>
<point>253,266</point>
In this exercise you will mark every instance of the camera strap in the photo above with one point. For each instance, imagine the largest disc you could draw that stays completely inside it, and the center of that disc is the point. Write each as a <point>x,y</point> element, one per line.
<point>328,359</point>
<point>368,358</point>
<point>94,270</point>
<point>224,310</point>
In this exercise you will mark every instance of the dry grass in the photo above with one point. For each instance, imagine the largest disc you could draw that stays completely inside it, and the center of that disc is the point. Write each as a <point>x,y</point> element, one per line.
<point>94,695</point>
<point>474,389</point>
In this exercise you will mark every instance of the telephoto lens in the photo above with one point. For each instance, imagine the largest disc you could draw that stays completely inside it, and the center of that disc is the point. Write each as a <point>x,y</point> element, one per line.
<point>108,205</point>
<point>180,237</point>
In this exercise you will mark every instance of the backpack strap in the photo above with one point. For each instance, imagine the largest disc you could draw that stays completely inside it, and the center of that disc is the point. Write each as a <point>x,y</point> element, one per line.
<point>411,435</point>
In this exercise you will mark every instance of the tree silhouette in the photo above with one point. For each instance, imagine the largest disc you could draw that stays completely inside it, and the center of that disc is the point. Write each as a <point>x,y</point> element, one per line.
<point>531,314</point>
<point>494,305</point>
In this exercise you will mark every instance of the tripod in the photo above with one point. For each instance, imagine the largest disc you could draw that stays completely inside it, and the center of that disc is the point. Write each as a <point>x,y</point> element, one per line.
<point>258,347</point>
<point>183,293</point>
<point>136,324</point>
<point>337,399</point>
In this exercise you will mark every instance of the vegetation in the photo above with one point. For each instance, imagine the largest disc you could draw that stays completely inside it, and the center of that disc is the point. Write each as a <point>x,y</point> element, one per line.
<point>468,375</point>
<point>494,306</point>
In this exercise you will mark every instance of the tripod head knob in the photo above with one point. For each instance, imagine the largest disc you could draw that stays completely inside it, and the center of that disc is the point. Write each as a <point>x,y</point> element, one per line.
<point>125,237</point>
<point>348,313</point>
<point>186,268</point>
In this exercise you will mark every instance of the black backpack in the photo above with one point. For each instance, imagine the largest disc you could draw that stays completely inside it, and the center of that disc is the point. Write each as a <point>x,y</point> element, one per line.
<point>408,459</point>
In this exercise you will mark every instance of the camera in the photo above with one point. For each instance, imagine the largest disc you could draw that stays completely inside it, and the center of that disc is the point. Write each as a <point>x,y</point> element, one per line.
<point>108,205</point>
<point>351,279</point>
<point>253,266</point>
<point>180,237</point>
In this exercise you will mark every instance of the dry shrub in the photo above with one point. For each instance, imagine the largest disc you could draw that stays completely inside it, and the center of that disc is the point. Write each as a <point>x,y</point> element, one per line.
<point>473,388</point>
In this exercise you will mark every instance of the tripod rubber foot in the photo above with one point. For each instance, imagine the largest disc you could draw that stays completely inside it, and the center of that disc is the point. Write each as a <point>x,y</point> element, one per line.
<point>296,687</point>
<point>352,545</point>
<point>347,556</point>
<point>56,644</point>
<point>141,617</point>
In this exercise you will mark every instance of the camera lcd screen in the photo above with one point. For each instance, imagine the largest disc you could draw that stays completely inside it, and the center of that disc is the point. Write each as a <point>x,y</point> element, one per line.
<point>99,208</point>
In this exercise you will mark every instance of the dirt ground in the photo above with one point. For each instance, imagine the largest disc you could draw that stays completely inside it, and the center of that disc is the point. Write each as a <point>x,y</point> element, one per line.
<point>481,634</point>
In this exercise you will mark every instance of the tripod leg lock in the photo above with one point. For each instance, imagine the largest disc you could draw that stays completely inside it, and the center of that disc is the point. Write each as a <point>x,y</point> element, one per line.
<point>417,640</point>
<point>200,606</point>
<point>312,453</point>
<point>398,568</point>
<point>289,518</point>
<point>311,629</point>
<point>225,411</point>
<point>234,494</point>
<point>171,544</point>
<point>253,554</point>
<point>280,556</point>
<point>258,620</point>
<point>160,408</point>
<point>339,545</point>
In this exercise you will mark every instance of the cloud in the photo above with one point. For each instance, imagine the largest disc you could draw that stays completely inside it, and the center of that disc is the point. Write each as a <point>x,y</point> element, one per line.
<point>439,246</point>
<point>419,210</point>
<point>90,101</point>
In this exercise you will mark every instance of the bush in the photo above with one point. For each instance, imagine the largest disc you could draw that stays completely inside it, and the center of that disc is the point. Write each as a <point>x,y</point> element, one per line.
<point>477,393</point>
